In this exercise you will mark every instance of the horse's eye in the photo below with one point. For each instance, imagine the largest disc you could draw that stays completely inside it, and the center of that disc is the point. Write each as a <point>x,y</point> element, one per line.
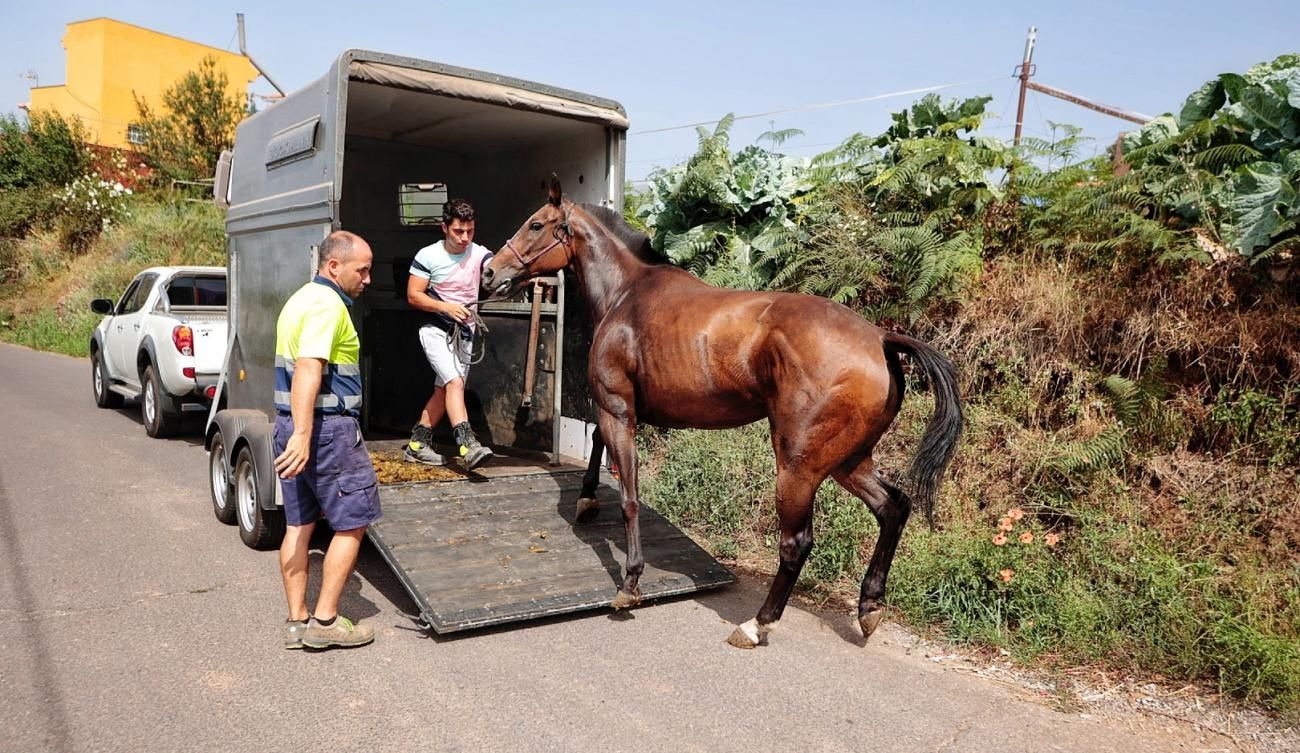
<point>535,226</point>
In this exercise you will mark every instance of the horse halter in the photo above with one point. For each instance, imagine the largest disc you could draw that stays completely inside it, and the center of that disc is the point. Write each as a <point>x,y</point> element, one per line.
<point>563,234</point>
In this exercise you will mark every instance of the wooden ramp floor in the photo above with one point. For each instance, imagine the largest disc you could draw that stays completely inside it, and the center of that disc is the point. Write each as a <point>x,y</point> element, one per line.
<point>500,548</point>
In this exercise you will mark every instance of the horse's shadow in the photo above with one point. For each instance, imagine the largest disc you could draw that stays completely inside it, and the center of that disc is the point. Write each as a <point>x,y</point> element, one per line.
<point>733,605</point>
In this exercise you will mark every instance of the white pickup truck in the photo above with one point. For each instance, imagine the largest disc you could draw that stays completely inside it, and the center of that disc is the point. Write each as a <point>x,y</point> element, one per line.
<point>162,343</point>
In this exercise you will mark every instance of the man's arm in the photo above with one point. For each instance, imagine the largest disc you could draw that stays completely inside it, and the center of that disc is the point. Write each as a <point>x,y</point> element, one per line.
<point>302,405</point>
<point>419,298</point>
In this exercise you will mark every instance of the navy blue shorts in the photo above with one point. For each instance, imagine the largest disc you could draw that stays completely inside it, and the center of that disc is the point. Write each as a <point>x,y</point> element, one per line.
<point>339,480</point>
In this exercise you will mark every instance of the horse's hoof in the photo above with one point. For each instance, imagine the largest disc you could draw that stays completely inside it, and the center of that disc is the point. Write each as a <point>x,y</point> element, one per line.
<point>870,621</point>
<point>587,510</point>
<point>624,600</point>
<point>740,639</point>
<point>750,634</point>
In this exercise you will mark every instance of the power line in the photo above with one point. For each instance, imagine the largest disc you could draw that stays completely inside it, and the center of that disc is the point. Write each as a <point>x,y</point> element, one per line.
<point>824,105</point>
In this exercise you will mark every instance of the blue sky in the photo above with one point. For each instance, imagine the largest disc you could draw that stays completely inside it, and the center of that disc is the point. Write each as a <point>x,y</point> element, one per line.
<point>674,63</point>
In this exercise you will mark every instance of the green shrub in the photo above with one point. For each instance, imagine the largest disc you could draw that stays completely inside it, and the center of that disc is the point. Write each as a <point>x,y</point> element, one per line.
<point>88,206</point>
<point>1259,424</point>
<point>720,484</point>
<point>25,209</point>
<point>173,233</point>
<point>197,121</point>
<point>46,150</point>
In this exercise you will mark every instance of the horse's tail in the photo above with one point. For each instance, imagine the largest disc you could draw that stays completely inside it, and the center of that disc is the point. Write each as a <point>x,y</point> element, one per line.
<point>940,440</point>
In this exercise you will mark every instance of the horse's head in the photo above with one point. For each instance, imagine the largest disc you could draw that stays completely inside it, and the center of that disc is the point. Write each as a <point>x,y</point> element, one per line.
<point>543,244</point>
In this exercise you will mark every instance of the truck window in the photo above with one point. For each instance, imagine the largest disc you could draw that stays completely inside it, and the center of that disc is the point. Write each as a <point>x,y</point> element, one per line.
<point>197,291</point>
<point>126,296</point>
<point>421,204</point>
<point>134,298</point>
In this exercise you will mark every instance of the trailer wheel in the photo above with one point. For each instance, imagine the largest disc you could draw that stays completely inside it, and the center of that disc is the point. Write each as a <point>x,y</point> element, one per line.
<point>158,422</point>
<point>219,481</point>
<point>258,528</point>
<point>104,397</point>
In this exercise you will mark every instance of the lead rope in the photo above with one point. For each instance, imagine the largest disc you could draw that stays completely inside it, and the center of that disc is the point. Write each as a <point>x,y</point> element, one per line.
<point>459,332</point>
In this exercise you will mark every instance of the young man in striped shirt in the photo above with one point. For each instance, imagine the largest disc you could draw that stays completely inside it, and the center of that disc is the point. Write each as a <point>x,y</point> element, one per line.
<point>443,286</point>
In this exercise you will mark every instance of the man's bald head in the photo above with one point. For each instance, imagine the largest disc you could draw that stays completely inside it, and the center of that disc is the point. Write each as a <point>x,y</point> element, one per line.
<point>345,259</point>
<point>339,245</point>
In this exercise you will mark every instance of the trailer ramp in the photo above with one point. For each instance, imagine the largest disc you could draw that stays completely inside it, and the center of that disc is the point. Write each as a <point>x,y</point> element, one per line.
<point>491,550</point>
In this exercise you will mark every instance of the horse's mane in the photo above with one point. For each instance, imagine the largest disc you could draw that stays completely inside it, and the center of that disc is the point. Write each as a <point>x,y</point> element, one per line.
<point>637,241</point>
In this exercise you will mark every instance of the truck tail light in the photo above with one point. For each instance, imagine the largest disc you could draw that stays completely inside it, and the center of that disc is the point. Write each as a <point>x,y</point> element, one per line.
<point>183,339</point>
<point>210,392</point>
<point>188,372</point>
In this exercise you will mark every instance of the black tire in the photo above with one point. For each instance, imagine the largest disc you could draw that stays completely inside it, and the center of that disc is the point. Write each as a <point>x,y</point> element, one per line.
<point>104,397</point>
<point>258,528</point>
<point>220,485</point>
<point>159,421</point>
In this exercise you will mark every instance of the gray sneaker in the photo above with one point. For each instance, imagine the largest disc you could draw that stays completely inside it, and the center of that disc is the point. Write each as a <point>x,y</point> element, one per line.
<point>419,452</point>
<point>472,452</point>
<point>293,631</point>
<point>342,633</point>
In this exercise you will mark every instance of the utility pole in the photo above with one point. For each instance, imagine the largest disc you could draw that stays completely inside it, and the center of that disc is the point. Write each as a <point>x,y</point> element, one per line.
<point>1024,71</point>
<point>1114,112</point>
<point>239,19</point>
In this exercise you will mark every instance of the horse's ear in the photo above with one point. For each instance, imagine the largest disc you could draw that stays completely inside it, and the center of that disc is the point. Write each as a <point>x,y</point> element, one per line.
<point>554,194</point>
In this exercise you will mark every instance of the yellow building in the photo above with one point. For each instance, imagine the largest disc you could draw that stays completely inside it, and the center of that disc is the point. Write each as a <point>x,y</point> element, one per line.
<point>110,62</point>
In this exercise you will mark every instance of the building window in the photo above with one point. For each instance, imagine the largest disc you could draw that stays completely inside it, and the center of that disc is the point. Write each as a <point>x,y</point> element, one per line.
<point>135,134</point>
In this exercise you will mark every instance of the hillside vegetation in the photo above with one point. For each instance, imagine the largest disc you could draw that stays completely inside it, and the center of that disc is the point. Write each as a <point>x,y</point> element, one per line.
<point>1127,336</point>
<point>1125,495</point>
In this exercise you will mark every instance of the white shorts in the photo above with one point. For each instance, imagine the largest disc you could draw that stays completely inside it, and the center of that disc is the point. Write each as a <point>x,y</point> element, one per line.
<point>448,361</point>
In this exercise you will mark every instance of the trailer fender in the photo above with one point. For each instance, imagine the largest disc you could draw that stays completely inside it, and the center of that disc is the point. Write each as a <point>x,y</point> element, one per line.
<point>259,438</point>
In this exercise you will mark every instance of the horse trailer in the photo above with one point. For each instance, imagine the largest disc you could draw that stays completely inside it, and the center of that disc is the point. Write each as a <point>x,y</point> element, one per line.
<point>377,146</point>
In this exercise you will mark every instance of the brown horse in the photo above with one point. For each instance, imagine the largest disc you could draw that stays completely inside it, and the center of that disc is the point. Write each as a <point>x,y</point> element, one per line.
<point>672,351</point>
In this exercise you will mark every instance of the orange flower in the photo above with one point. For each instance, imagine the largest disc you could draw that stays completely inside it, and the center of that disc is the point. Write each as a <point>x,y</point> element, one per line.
<point>1000,539</point>
<point>1051,539</point>
<point>1026,537</point>
<point>1006,524</point>
<point>1015,513</point>
<point>1006,574</point>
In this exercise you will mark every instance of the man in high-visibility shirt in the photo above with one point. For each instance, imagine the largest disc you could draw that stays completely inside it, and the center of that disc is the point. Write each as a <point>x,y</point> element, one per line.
<point>321,458</point>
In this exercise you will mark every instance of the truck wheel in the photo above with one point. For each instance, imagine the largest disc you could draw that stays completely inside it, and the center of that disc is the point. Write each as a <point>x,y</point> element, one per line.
<point>258,528</point>
<point>104,397</point>
<point>158,421</point>
<point>219,485</point>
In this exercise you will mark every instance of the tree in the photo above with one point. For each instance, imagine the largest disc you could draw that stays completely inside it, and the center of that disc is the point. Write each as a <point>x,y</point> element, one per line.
<point>48,150</point>
<point>199,121</point>
<point>37,157</point>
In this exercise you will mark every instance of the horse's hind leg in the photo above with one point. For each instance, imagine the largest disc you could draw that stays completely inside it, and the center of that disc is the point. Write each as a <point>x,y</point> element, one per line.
<point>794,506</point>
<point>891,508</point>
<point>588,506</point>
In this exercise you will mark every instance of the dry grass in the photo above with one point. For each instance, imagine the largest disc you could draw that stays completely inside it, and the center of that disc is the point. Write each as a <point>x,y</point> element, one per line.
<point>392,469</point>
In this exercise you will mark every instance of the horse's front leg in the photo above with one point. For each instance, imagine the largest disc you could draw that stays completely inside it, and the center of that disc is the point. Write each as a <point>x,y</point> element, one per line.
<point>619,433</point>
<point>588,507</point>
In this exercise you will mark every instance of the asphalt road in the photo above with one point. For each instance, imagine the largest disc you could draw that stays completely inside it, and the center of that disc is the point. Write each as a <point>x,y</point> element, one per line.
<point>130,620</point>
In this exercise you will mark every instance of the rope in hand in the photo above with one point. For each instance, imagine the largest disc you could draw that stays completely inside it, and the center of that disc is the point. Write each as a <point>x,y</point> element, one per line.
<point>461,331</point>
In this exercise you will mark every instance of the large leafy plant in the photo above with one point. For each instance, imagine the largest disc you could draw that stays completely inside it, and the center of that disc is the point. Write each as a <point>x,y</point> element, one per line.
<point>726,216</point>
<point>883,223</point>
<point>1230,160</point>
<point>900,217</point>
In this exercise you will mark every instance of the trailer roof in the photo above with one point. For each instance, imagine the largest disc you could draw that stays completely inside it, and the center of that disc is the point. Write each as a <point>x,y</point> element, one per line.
<point>468,84</point>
